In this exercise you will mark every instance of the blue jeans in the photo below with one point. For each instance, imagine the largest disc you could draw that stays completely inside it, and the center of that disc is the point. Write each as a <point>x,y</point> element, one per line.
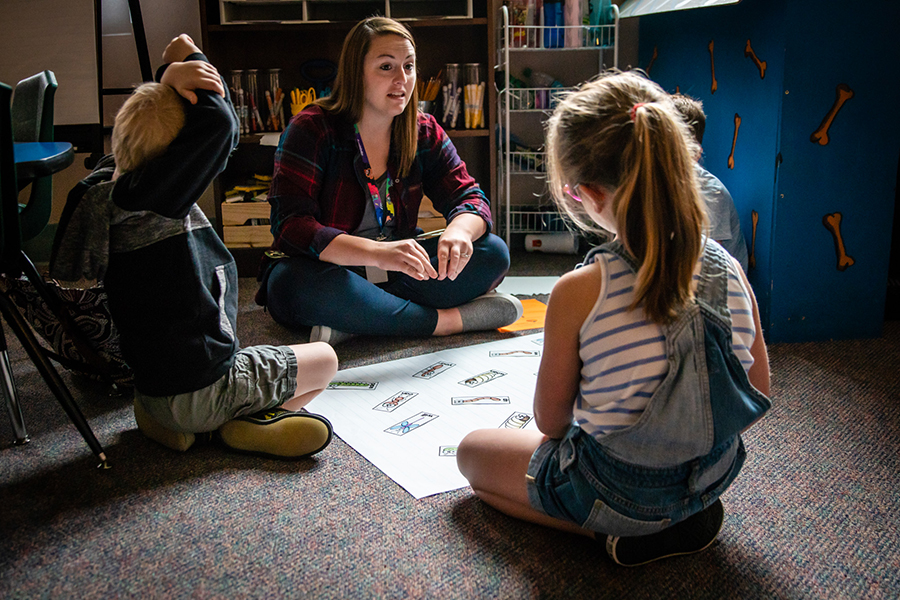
<point>575,479</point>
<point>303,291</point>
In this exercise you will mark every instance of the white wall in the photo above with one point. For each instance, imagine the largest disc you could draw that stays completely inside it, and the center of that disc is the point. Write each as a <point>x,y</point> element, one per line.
<point>59,35</point>
<point>163,20</point>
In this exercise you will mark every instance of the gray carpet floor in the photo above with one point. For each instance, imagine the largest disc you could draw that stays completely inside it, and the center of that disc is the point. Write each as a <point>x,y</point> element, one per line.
<point>813,514</point>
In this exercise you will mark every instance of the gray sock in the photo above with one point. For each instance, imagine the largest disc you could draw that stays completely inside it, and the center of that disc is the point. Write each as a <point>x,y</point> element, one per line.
<point>490,311</point>
<point>333,337</point>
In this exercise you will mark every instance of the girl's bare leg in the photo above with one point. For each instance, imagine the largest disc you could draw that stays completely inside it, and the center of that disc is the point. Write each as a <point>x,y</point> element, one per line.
<point>495,461</point>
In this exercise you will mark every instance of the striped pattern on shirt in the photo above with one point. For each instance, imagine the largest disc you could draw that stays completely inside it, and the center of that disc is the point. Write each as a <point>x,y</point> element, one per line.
<point>624,355</point>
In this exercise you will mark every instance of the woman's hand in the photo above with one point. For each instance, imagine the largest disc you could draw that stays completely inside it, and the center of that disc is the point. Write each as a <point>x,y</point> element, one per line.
<point>455,245</point>
<point>404,256</point>
<point>185,77</point>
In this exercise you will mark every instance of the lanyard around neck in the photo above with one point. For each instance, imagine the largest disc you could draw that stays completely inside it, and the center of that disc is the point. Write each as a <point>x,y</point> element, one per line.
<point>384,211</point>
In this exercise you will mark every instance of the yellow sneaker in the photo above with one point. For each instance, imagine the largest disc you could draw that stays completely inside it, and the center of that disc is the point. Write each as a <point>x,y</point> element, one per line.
<point>277,433</point>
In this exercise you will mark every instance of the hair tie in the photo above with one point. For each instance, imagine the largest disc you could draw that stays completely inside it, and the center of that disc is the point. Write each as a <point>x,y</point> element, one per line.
<point>633,112</point>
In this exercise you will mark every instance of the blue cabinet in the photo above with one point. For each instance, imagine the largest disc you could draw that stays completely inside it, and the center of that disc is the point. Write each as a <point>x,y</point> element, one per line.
<point>800,97</point>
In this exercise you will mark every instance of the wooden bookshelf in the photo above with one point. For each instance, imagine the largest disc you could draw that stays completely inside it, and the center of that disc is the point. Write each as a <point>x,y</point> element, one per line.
<point>286,45</point>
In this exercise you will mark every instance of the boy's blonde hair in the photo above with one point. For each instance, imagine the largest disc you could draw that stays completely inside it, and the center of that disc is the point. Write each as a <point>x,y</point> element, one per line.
<point>146,124</point>
<point>622,131</point>
<point>348,95</point>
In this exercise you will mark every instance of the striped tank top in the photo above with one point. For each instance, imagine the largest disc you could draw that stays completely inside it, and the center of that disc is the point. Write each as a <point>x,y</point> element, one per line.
<point>623,354</point>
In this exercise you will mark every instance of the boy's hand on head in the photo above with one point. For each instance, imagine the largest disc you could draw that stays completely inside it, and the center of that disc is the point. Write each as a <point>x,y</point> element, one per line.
<point>179,49</point>
<point>185,77</point>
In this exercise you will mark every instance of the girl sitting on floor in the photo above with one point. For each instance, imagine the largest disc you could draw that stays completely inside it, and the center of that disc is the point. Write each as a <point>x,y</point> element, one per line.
<point>654,360</point>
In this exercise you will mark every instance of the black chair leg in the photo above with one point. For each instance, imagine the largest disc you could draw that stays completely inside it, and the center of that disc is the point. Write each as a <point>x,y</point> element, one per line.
<point>11,396</point>
<point>51,377</point>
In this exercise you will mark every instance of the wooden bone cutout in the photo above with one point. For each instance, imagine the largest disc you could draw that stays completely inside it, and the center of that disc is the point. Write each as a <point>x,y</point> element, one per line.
<point>832,223</point>
<point>652,59</point>
<point>737,125</point>
<point>842,94</point>
<point>760,64</point>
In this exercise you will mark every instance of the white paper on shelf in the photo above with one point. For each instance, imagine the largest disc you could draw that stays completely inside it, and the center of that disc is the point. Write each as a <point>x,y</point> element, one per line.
<point>270,139</point>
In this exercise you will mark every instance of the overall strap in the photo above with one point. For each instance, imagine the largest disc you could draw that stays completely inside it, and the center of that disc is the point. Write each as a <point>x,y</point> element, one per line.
<point>615,247</point>
<point>712,286</point>
<point>735,403</point>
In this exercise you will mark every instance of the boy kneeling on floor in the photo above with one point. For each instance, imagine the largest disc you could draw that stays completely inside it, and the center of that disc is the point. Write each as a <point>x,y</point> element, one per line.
<point>171,282</point>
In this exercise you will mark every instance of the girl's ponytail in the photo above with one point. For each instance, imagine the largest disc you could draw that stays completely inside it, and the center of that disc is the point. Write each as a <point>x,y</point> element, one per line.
<point>658,212</point>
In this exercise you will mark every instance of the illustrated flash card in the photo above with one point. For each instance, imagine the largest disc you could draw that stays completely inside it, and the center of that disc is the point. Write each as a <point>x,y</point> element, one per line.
<point>517,420</point>
<point>395,401</point>
<point>447,450</point>
<point>513,353</point>
<point>482,378</point>
<point>352,385</point>
<point>433,370</point>
<point>414,422</point>
<point>462,400</point>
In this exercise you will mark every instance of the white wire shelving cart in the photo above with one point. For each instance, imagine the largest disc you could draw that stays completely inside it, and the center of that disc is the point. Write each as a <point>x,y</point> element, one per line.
<point>524,198</point>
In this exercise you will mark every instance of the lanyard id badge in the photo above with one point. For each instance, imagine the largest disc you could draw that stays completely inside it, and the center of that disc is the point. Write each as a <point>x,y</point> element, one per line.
<point>384,210</point>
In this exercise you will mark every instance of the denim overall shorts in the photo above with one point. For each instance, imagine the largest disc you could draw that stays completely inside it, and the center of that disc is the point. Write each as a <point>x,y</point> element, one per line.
<point>683,452</point>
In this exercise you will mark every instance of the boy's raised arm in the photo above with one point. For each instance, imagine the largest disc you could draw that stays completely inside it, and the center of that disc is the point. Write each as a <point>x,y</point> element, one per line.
<point>185,77</point>
<point>169,184</point>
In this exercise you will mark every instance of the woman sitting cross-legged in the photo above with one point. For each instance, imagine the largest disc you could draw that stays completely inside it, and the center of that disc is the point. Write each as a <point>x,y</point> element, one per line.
<point>350,173</point>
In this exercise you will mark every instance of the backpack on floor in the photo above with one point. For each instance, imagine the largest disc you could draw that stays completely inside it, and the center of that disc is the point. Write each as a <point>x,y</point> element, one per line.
<point>96,353</point>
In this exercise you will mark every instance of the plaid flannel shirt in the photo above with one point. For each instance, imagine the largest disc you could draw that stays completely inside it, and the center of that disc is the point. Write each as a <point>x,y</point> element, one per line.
<point>318,190</point>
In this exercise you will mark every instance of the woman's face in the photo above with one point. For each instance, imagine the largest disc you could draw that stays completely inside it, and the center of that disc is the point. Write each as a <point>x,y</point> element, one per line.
<point>389,74</point>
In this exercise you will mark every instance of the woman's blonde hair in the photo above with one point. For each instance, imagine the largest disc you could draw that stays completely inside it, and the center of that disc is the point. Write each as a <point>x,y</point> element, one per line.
<point>146,124</point>
<point>348,94</point>
<point>622,131</point>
